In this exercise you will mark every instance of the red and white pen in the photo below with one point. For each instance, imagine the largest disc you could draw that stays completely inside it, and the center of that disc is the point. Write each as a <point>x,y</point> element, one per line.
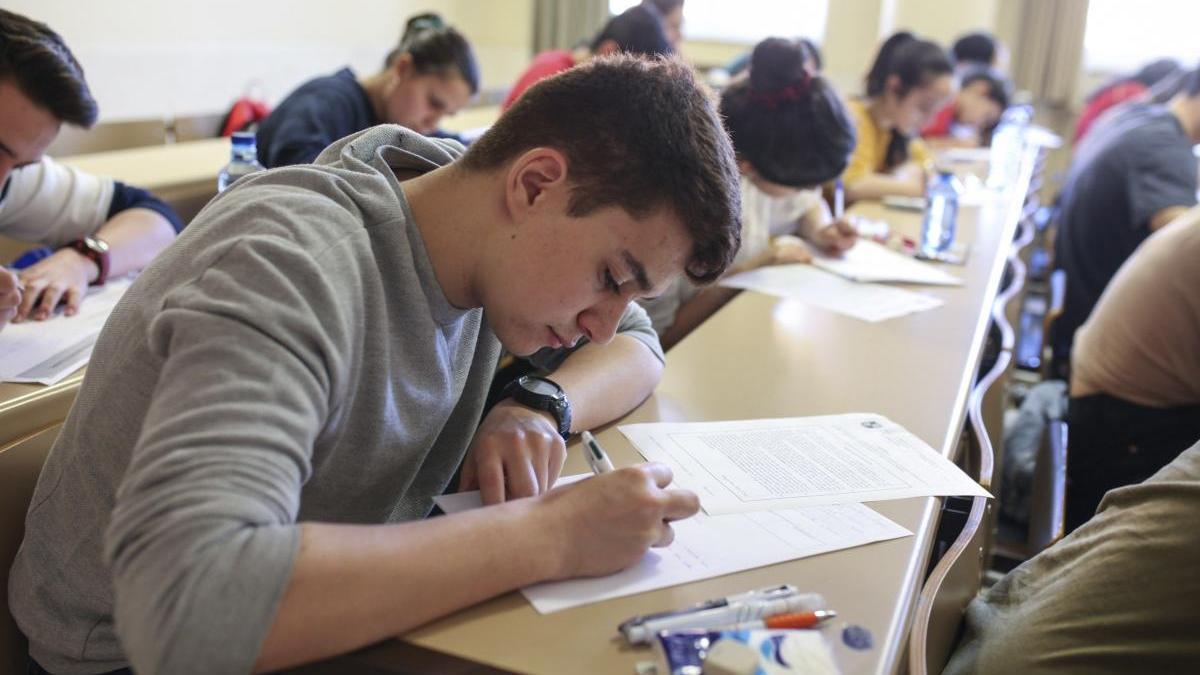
<point>796,620</point>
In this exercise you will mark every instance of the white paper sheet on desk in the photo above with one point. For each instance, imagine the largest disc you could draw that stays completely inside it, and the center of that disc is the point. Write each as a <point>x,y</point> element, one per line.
<point>757,465</point>
<point>47,351</point>
<point>965,155</point>
<point>710,546</point>
<point>868,261</point>
<point>869,302</point>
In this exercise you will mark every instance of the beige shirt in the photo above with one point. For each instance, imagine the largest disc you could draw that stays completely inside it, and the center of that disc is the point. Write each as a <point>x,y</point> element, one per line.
<point>1142,341</point>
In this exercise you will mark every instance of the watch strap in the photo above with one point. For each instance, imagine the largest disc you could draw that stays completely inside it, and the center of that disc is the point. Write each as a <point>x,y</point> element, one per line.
<point>96,251</point>
<point>558,407</point>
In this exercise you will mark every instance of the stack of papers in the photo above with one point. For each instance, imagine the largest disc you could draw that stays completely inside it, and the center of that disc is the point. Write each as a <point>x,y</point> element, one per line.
<point>47,351</point>
<point>869,302</point>
<point>872,262</point>
<point>771,491</point>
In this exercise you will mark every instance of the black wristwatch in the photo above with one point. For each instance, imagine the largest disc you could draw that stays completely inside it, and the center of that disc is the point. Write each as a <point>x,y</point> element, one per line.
<point>541,393</point>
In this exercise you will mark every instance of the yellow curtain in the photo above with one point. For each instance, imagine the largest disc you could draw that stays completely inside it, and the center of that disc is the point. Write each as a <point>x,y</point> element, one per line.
<point>1049,49</point>
<point>562,24</point>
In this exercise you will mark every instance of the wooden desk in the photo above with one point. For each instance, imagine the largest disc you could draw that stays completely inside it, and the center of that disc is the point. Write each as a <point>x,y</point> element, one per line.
<point>762,356</point>
<point>26,409</point>
<point>182,174</point>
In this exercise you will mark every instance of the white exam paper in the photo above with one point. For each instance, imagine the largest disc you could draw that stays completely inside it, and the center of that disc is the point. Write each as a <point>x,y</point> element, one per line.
<point>869,302</point>
<point>710,546</point>
<point>757,465</point>
<point>869,261</point>
<point>48,351</point>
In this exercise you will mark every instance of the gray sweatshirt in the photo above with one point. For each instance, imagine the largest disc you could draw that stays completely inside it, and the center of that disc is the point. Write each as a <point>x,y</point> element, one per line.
<point>290,358</point>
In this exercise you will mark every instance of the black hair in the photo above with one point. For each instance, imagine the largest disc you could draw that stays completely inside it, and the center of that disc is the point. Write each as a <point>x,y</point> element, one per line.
<point>639,134</point>
<point>977,48</point>
<point>37,60</point>
<point>915,63</point>
<point>441,51</point>
<point>997,89</point>
<point>1165,76</point>
<point>789,125</point>
<point>665,7</point>
<point>1153,72</point>
<point>413,26</point>
<point>1191,83</point>
<point>813,52</point>
<point>997,86</point>
<point>635,31</point>
<point>420,23</point>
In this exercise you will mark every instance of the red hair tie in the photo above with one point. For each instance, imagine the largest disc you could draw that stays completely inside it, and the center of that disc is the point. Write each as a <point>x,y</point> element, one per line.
<point>792,92</point>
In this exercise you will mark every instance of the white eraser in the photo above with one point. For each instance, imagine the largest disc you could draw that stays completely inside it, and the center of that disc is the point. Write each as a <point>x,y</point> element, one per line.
<point>730,657</point>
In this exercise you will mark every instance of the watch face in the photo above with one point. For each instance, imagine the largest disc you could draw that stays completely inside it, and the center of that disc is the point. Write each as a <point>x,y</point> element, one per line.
<point>539,386</point>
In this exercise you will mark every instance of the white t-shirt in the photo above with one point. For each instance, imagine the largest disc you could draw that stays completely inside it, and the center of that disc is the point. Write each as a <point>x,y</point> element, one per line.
<point>53,204</point>
<point>763,218</point>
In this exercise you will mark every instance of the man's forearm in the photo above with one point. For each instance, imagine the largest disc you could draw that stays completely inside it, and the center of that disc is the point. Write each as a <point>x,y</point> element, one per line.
<point>604,382</point>
<point>134,237</point>
<point>353,585</point>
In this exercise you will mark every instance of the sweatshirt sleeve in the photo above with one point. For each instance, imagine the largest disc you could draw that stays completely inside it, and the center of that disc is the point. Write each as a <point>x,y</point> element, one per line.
<point>203,535</point>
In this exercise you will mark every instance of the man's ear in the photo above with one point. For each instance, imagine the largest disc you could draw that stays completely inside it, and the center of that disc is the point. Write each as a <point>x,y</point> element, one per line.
<point>607,48</point>
<point>893,85</point>
<point>532,178</point>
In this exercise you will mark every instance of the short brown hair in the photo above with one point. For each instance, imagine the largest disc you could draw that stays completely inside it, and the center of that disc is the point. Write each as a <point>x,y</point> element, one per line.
<point>639,134</point>
<point>38,61</point>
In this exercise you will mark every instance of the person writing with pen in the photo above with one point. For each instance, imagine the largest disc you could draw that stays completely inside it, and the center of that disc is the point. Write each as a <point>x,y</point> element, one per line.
<point>791,134</point>
<point>94,228</point>
<point>244,481</point>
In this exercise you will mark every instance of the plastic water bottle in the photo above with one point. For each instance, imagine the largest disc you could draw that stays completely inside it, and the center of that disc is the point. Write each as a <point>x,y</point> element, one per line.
<point>941,215</point>
<point>1007,143</point>
<point>243,160</point>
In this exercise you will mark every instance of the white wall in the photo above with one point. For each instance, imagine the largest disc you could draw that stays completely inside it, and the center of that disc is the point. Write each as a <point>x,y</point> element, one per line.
<point>151,58</point>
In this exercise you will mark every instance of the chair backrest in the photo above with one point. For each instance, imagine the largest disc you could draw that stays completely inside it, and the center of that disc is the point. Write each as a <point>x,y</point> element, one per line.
<point>956,578</point>
<point>20,464</point>
<point>108,136</point>
<point>951,586</point>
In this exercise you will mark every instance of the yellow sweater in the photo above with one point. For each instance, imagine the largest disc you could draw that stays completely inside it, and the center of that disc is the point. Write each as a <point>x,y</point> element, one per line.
<point>870,152</point>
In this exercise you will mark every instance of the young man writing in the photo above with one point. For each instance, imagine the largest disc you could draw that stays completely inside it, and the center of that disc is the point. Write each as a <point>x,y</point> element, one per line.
<point>100,228</point>
<point>306,368</point>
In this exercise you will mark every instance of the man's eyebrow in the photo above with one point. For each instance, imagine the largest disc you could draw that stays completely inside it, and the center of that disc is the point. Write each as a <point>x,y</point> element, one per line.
<point>639,271</point>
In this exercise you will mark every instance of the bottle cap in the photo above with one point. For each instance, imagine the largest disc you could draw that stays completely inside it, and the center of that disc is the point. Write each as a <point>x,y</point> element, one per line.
<point>243,138</point>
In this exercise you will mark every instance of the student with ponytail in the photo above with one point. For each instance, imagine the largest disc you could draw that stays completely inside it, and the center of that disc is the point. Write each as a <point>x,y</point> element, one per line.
<point>909,82</point>
<point>791,133</point>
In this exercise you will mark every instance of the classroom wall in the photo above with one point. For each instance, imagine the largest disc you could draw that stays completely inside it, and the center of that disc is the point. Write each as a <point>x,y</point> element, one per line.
<point>158,58</point>
<point>154,58</point>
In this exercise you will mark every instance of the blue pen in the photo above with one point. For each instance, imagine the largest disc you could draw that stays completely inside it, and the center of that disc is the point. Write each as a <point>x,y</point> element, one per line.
<point>839,199</point>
